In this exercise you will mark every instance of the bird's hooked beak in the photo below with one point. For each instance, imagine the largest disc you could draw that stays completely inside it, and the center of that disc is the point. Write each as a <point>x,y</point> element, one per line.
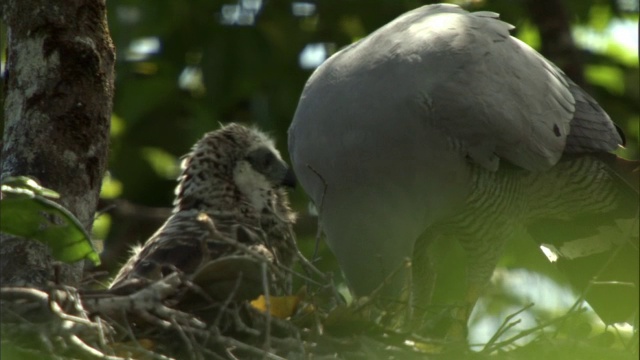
<point>268,163</point>
<point>289,179</point>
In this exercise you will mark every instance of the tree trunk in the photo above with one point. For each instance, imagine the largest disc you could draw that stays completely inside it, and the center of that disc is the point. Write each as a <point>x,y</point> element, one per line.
<point>59,90</point>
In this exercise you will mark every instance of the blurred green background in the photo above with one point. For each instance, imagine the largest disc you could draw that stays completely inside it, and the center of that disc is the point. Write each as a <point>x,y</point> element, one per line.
<point>184,67</point>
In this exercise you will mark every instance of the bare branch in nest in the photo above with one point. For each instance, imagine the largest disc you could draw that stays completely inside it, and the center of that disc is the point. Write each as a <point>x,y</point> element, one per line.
<point>389,310</point>
<point>147,303</point>
<point>57,319</point>
<point>506,325</point>
<point>492,346</point>
<point>320,209</point>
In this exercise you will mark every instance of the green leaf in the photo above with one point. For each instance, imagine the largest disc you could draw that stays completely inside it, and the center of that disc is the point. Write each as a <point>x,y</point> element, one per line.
<point>25,212</point>
<point>163,163</point>
<point>111,188</point>
<point>24,184</point>
<point>609,77</point>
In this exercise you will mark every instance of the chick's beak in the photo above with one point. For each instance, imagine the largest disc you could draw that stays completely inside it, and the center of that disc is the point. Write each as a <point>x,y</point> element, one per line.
<point>289,179</point>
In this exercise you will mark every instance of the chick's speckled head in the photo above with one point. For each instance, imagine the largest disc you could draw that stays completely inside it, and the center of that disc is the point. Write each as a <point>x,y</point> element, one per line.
<point>232,158</point>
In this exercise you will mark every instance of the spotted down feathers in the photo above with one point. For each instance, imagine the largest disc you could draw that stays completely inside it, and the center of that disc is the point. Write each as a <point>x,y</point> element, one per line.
<point>231,211</point>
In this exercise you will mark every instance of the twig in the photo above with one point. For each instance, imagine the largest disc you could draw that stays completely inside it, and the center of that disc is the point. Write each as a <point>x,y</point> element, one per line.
<point>261,258</point>
<point>101,335</point>
<point>47,342</point>
<point>75,340</point>
<point>506,326</point>
<point>267,303</point>
<point>141,348</point>
<point>227,301</point>
<point>306,264</point>
<point>250,349</point>
<point>211,354</point>
<point>54,302</point>
<point>587,288</point>
<point>242,247</point>
<point>320,209</point>
<point>185,339</point>
<point>376,292</point>
<point>68,327</point>
<point>241,325</point>
<point>630,231</point>
<point>526,332</point>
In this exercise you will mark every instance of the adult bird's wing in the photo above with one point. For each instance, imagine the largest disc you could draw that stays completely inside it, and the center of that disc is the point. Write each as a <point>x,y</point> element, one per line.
<point>384,129</point>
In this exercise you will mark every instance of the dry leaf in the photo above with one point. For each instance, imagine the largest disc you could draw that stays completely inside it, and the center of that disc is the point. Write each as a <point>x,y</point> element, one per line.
<point>279,306</point>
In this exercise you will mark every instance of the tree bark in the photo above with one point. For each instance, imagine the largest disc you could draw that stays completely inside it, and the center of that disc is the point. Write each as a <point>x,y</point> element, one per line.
<point>58,98</point>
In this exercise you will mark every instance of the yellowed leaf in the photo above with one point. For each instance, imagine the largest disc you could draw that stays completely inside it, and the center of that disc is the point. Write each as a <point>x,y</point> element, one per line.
<point>279,306</point>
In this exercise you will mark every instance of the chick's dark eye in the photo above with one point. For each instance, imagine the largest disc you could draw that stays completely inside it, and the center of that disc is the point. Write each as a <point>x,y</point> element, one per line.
<point>267,160</point>
<point>261,159</point>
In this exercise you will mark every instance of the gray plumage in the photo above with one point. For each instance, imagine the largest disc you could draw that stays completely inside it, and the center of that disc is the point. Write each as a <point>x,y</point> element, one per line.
<point>442,125</point>
<point>230,192</point>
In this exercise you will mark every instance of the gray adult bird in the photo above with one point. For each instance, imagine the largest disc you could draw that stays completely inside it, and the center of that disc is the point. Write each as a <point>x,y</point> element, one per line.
<point>231,215</point>
<point>441,126</point>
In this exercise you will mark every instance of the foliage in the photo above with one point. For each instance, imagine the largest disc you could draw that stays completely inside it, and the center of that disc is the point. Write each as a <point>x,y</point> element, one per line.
<point>26,211</point>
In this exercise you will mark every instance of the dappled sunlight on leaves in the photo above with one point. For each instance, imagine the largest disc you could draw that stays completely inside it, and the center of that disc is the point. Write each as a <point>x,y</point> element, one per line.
<point>111,188</point>
<point>25,211</point>
<point>164,164</point>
